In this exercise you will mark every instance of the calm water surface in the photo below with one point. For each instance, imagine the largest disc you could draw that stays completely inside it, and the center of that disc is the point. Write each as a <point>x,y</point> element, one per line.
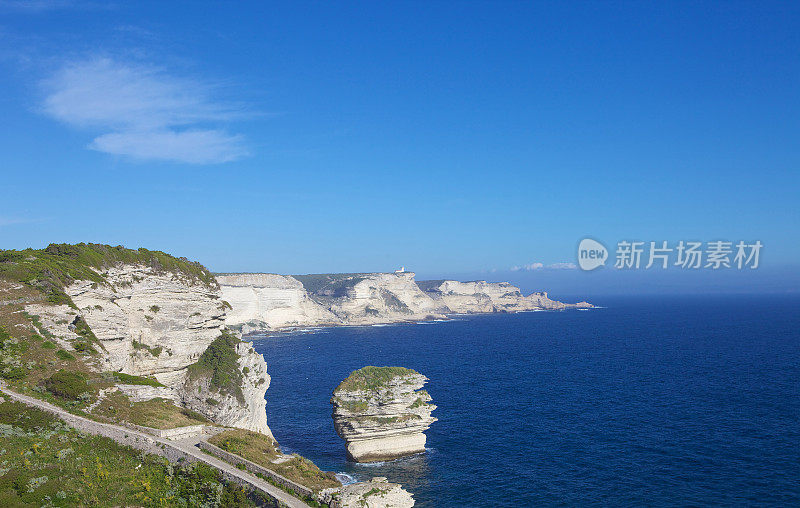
<point>649,401</point>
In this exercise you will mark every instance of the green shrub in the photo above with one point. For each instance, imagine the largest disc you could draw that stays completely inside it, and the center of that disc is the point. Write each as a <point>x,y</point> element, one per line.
<point>155,351</point>
<point>194,415</point>
<point>219,362</point>
<point>212,402</point>
<point>64,355</point>
<point>83,347</point>
<point>129,379</point>
<point>66,384</point>
<point>154,309</point>
<point>48,345</point>
<point>12,373</point>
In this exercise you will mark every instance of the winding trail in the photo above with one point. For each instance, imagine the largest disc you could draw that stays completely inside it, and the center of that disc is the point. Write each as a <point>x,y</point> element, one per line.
<point>185,448</point>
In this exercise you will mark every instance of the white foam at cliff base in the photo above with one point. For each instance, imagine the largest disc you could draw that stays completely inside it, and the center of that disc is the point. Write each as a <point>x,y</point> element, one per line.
<point>345,478</point>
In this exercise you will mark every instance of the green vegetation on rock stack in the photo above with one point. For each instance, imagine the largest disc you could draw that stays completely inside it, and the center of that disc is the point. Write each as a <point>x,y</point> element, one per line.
<point>55,267</point>
<point>372,378</point>
<point>220,363</point>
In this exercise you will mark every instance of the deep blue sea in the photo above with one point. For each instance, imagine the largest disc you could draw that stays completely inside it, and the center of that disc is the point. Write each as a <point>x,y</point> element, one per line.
<point>668,401</point>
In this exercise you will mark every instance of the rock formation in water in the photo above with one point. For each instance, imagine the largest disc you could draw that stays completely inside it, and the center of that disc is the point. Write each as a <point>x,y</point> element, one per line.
<point>147,320</point>
<point>382,413</point>
<point>264,302</point>
<point>376,493</point>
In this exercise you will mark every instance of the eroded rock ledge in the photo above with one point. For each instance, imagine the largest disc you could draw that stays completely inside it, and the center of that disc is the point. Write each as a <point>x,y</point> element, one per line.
<point>382,413</point>
<point>376,493</point>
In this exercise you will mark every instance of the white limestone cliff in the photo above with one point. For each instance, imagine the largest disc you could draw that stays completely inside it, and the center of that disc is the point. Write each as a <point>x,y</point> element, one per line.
<point>158,323</point>
<point>263,301</point>
<point>245,409</point>
<point>384,298</point>
<point>382,413</point>
<point>482,297</point>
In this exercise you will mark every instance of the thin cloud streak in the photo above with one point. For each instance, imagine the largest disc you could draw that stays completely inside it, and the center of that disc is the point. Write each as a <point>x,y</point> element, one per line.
<point>147,113</point>
<point>541,266</point>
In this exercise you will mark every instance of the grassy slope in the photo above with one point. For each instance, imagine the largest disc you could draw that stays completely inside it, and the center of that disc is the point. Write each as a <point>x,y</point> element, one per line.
<point>42,462</point>
<point>262,450</point>
<point>53,268</point>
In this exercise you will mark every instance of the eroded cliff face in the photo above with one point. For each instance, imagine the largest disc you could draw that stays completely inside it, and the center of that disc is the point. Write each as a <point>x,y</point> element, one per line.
<point>382,298</point>
<point>149,323</point>
<point>244,408</point>
<point>382,413</point>
<point>267,301</point>
<point>264,301</point>
<point>158,323</point>
<point>481,297</point>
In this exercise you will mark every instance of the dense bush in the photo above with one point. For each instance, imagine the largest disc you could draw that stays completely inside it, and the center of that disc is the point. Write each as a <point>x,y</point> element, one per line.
<point>12,373</point>
<point>219,362</point>
<point>68,385</point>
<point>129,379</point>
<point>64,355</point>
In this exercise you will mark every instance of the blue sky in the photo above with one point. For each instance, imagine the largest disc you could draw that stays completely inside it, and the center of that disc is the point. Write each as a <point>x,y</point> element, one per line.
<point>458,138</point>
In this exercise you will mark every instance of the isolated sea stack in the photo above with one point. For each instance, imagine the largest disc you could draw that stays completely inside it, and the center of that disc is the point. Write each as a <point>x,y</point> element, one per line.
<point>382,413</point>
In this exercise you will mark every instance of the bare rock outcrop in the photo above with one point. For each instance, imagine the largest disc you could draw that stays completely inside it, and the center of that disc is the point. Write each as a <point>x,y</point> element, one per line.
<point>382,413</point>
<point>265,301</point>
<point>481,297</point>
<point>376,493</point>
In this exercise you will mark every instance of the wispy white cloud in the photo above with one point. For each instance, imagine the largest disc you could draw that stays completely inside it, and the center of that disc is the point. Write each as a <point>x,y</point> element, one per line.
<point>193,147</point>
<point>10,221</point>
<point>541,266</point>
<point>563,266</point>
<point>147,113</point>
<point>528,267</point>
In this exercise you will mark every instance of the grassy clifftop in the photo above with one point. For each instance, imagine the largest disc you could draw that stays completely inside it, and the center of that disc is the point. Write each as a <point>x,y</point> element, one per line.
<point>58,265</point>
<point>372,378</point>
